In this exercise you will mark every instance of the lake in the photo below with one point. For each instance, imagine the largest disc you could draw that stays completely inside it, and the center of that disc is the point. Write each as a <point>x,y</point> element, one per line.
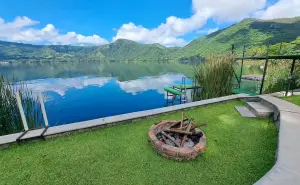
<point>80,91</point>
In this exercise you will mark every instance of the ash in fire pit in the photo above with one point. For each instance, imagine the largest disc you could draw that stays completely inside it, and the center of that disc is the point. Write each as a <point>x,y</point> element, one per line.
<point>178,140</point>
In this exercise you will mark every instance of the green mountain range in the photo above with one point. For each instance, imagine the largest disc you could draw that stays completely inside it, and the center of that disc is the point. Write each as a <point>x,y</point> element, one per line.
<point>254,33</point>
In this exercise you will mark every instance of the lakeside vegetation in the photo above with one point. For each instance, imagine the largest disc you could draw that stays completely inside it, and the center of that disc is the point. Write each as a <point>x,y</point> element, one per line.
<point>10,118</point>
<point>215,76</point>
<point>122,155</point>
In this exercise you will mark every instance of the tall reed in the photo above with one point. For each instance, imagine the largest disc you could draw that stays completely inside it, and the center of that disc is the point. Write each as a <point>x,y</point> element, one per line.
<point>215,76</point>
<point>10,119</point>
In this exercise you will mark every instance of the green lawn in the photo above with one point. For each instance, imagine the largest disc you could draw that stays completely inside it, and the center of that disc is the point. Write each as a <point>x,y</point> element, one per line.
<point>293,99</point>
<point>240,151</point>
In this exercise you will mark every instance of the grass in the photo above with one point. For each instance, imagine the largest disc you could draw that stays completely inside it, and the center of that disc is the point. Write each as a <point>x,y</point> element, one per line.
<point>239,151</point>
<point>293,99</point>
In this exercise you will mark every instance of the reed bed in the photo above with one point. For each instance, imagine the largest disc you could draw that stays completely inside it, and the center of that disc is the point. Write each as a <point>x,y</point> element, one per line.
<point>10,118</point>
<point>215,76</point>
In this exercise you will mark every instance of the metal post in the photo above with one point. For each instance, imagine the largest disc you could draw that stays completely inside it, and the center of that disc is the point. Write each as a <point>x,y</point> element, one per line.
<point>265,70</point>
<point>244,50</point>
<point>280,48</point>
<point>290,77</point>
<point>167,102</point>
<point>43,108</point>
<point>21,111</point>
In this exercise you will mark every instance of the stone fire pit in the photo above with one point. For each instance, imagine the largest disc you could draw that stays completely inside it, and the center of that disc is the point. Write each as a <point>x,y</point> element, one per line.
<point>185,143</point>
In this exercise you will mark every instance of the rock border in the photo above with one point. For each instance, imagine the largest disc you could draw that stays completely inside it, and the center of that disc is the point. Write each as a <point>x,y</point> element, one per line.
<point>171,152</point>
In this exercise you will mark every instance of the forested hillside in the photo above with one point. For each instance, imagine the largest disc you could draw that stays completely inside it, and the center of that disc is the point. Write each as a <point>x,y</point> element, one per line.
<point>255,34</point>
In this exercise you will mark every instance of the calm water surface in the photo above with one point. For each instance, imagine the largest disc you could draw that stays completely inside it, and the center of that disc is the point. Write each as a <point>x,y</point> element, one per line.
<point>82,91</point>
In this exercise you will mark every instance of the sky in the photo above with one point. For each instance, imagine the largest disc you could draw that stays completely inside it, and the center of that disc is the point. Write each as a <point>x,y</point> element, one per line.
<point>98,22</point>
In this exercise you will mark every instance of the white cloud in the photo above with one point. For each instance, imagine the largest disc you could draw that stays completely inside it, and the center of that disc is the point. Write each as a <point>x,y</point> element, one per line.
<point>208,31</point>
<point>169,33</point>
<point>61,86</point>
<point>228,10</point>
<point>140,34</point>
<point>281,9</point>
<point>150,83</point>
<point>20,30</point>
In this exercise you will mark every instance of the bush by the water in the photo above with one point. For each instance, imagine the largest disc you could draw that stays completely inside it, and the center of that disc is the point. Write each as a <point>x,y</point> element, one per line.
<point>215,76</point>
<point>278,75</point>
<point>10,118</point>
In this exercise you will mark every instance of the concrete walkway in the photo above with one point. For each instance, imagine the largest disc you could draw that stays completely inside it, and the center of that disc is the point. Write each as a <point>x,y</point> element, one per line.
<point>286,171</point>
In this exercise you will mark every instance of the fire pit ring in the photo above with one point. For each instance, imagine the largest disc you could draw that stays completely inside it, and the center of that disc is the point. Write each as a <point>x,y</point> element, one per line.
<point>174,152</point>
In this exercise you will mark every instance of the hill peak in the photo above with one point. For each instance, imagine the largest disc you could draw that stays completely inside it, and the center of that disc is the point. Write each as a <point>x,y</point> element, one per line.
<point>124,41</point>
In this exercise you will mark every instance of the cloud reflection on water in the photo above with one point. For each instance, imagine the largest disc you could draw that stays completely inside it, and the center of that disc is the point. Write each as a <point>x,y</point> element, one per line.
<point>62,85</point>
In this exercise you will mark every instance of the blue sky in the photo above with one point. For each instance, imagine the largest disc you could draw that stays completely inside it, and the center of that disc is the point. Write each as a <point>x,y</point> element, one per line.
<point>92,22</point>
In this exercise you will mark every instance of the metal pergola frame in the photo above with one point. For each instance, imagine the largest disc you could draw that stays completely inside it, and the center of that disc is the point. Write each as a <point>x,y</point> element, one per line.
<point>266,58</point>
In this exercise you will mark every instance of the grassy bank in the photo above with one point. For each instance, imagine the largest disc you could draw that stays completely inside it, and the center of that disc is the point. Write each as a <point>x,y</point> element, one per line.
<point>293,99</point>
<point>240,151</point>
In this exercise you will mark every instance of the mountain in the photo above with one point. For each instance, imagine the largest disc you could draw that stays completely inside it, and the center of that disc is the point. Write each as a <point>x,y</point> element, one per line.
<point>253,33</point>
<point>121,49</point>
<point>249,32</point>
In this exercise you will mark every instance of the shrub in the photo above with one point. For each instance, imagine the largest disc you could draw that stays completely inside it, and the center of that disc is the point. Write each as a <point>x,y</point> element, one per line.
<point>215,76</point>
<point>278,74</point>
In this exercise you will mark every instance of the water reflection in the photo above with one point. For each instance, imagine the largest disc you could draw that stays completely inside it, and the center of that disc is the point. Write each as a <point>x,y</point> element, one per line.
<point>79,91</point>
<point>62,85</point>
<point>83,98</point>
<point>122,71</point>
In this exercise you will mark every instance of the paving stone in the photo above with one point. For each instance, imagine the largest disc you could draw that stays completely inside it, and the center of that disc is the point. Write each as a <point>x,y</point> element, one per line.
<point>245,112</point>
<point>32,134</point>
<point>6,139</point>
<point>259,109</point>
<point>281,104</point>
<point>74,126</point>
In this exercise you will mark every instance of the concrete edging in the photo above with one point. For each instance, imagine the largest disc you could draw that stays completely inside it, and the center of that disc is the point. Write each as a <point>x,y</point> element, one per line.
<point>103,122</point>
<point>287,167</point>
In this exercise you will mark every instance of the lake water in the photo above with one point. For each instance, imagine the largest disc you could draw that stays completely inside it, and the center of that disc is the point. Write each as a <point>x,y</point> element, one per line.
<point>80,91</point>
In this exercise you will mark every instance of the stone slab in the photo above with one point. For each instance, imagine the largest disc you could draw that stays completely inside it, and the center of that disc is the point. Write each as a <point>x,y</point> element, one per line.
<point>279,175</point>
<point>259,109</point>
<point>32,134</point>
<point>289,144</point>
<point>74,126</point>
<point>281,104</point>
<point>287,167</point>
<point>7,139</point>
<point>245,112</point>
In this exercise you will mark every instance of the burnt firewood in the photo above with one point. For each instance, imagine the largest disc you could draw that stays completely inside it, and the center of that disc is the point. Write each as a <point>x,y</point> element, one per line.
<point>177,123</point>
<point>173,130</point>
<point>171,138</point>
<point>185,135</point>
<point>196,136</point>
